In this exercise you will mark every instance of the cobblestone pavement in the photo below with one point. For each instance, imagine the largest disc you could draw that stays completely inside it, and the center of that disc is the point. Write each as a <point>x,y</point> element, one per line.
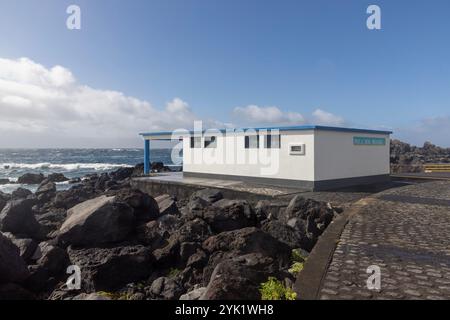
<point>406,232</point>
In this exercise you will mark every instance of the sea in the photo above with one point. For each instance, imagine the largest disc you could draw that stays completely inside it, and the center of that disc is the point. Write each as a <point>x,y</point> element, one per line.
<point>72,163</point>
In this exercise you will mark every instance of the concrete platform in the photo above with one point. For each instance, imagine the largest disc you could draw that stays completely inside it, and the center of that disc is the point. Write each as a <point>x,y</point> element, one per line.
<point>175,183</point>
<point>178,184</point>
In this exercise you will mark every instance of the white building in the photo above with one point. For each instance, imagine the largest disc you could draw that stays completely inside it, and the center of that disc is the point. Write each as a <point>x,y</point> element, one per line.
<point>312,157</point>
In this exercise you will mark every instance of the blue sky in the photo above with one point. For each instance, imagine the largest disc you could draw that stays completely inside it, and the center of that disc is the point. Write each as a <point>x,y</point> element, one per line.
<point>214,59</point>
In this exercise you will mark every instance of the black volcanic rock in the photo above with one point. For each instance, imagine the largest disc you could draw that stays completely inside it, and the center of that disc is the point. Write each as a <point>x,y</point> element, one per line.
<point>21,193</point>
<point>97,221</point>
<point>145,207</point>
<point>31,178</point>
<point>18,218</point>
<point>12,266</point>
<point>111,268</point>
<point>239,278</point>
<point>226,215</point>
<point>57,177</point>
<point>409,159</point>
<point>167,204</point>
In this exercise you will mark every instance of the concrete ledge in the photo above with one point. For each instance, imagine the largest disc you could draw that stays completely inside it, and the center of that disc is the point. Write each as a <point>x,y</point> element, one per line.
<point>185,190</point>
<point>286,183</point>
<point>300,184</point>
<point>309,281</point>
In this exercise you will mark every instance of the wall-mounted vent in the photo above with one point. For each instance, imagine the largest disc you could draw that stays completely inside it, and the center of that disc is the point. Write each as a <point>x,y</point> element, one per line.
<point>297,149</point>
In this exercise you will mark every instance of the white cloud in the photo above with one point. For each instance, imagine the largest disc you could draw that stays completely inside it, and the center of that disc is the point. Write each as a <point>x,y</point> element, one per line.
<point>322,117</point>
<point>253,114</point>
<point>48,107</point>
<point>434,129</point>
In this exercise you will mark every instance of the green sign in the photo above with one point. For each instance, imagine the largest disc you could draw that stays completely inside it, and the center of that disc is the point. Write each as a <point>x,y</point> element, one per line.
<point>369,141</point>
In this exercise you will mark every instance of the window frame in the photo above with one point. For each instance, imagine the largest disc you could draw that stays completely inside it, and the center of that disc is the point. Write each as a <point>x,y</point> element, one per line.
<point>193,142</point>
<point>247,141</point>
<point>268,141</point>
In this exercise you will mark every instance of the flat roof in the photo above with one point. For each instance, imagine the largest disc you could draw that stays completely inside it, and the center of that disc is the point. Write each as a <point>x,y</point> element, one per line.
<point>289,128</point>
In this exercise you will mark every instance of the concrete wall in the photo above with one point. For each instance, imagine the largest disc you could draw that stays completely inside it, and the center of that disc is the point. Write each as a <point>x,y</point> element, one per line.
<point>239,161</point>
<point>336,157</point>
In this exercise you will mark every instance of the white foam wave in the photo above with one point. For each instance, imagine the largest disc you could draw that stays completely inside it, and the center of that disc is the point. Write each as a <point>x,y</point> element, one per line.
<point>64,167</point>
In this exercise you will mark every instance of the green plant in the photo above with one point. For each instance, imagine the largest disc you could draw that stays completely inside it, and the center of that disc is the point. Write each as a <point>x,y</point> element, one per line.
<point>274,289</point>
<point>296,268</point>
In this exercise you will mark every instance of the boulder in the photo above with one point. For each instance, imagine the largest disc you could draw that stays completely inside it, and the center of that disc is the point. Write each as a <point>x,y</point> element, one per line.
<point>194,294</point>
<point>18,218</point>
<point>27,247</point>
<point>209,195</point>
<point>293,237</point>
<point>226,215</point>
<point>100,184</point>
<point>196,230</point>
<point>198,260</point>
<point>77,194</point>
<point>46,187</point>
<point>122,173</point>
<point>151,235</point>
<point>145,207</point>
<point>195,208</point>
<point>97,221</point>
<point>57,177</point>
<point>52,220</point>
<point>169,223</point>
<point>109,269</point>
<point>21,193</point>
<point>12,266</point>
<point>12,291</point>
<point>4,181</point>
<point>169,255</point>
<point>249,240</point>
<point>240,278</point>
<point>50,263</point>
<point>159,167</point>
<point>45,191</point>
<point>167,205</point>
<point>4,198</point>
<point>315,215</point>
<point>266,209</point>
<point>166,288</point>
<point>31,178</point>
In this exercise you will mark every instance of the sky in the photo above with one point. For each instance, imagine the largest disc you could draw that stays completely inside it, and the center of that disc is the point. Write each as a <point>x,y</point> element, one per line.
<point>146,65</point>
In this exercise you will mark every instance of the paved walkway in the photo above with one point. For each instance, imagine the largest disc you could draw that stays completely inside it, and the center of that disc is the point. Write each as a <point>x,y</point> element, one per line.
<point>406,232</point>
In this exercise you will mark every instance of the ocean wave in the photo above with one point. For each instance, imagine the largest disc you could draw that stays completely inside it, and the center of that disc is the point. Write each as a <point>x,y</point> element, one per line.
<point>64,167</point>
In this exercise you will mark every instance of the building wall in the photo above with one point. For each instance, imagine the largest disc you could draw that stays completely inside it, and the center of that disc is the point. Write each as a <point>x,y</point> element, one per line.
<point>262,162</point>
<point>336,156</point>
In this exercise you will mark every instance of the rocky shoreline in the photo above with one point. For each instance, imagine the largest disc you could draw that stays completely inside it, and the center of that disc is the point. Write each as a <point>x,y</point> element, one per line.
<point>131,245</point>
<point>406,158</point>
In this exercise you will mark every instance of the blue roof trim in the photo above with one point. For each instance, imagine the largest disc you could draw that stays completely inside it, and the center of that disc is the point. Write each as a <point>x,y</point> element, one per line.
<point>291,128</point>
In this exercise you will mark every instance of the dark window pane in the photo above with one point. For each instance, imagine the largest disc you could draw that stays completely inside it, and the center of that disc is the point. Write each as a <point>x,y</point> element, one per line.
<point>210,142</point>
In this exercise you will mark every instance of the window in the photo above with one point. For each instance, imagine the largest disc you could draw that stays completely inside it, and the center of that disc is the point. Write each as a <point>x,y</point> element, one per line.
<point>211,142</point>
<point>252,142</point>
<point>196,142</point>
<point>272,141</point>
